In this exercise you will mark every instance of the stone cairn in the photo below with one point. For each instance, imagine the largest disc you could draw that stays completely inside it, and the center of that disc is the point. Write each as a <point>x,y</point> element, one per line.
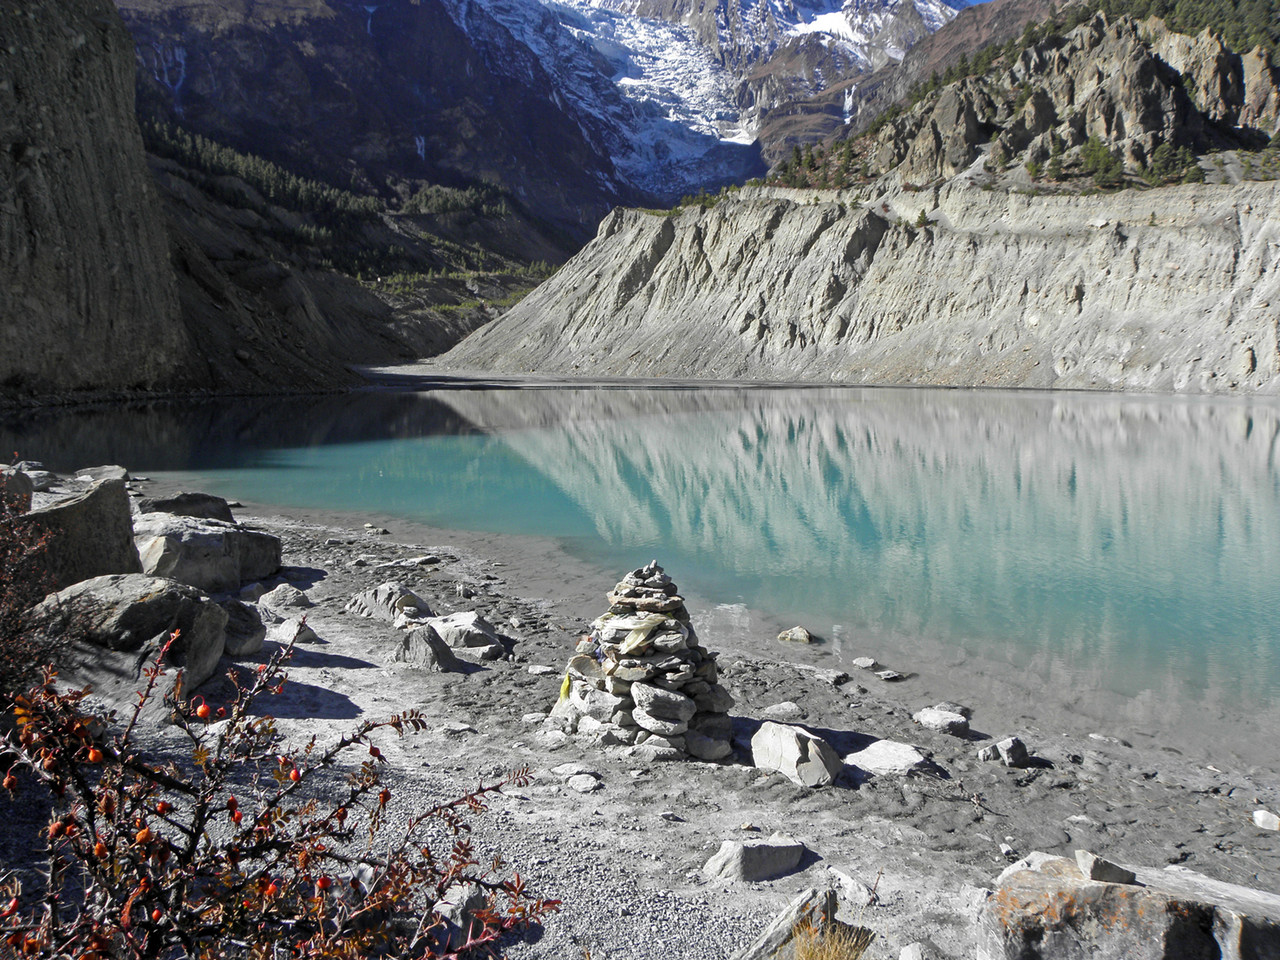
<point>641,680</point>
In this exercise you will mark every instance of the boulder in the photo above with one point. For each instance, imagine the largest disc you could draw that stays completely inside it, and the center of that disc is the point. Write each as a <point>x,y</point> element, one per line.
<point>465,630</point>
<point>119,622</point>
<point>291,630</point>
<point>245,629</point>
<point>814,908</point>
<point>422,647</point>
<point>285,597</point>
<point>753,860</point>
<point>16,490</point>
<point>388,601</point>
<point>203,506</point>
<point>1011,751</point>
<point>1048,909</point>
<point>799,755</point>
<point>90,535</point>
<point>796,635</point>
<point>944,721</point>
<point>888,757</point>
<point>210,554</point>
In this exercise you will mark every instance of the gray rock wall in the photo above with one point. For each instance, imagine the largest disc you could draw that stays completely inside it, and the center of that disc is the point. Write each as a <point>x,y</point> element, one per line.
<point>1169,290</point>
<point>87,294</point>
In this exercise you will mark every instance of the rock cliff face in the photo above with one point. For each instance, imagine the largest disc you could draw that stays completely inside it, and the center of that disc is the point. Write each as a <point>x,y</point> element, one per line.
<point>1136,86</point>
<point>87,295</point>
<point>1169,290</point>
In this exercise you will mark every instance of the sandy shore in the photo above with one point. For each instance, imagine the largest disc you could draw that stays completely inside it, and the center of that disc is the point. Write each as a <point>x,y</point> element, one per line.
<point>626,858</point>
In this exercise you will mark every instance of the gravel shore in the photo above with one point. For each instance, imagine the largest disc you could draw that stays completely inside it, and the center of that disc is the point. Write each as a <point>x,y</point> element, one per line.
<point>918,851</point>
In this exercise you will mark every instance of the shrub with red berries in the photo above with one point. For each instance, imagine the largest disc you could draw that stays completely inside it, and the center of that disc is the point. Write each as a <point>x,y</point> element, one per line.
<point>156,857</point>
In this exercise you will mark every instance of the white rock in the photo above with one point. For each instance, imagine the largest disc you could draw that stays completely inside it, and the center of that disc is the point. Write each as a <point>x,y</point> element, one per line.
<point>389,601</point>
<point>943,721</point>
<point>1266,820</point>
<point>755,860</point>
<point>865,663</point>
<point>584,783</point>
<point>888,757</point>
<point>467,629</point>
<point>286,597</point>
<point>804,758</point>
<point>787,710</point>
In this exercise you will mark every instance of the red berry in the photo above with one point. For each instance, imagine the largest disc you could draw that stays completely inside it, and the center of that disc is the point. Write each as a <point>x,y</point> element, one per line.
<point>323,883</point>
<point>10,782</point>
<point>294,775</point>
<point>95,755</point>
<point>157,913</point>
<point>271,890</point>
<point>236,816</point>
<point>163,807</point>
<point>143,835</point>
<point>203,711</point>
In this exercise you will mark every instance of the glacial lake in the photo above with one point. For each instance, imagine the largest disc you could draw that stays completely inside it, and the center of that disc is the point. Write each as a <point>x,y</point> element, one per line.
<point>1094,545</point>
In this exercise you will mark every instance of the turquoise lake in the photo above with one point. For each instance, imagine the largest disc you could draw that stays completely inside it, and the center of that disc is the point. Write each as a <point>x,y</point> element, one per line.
<point>1131,544</point>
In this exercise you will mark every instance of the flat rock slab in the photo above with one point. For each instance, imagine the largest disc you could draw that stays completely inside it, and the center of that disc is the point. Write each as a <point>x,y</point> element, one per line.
<point>888,758</point>
<point>467,629</point>
<point>814,907</point>
<point>1052,911</point>
<point>754,860</point>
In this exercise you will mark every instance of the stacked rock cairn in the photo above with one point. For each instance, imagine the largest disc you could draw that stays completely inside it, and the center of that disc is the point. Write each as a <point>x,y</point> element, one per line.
<point>641,680</point>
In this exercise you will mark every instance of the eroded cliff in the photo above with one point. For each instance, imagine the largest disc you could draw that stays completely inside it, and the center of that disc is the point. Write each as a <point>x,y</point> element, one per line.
<point>1169,290</point>
<point>87,295</point>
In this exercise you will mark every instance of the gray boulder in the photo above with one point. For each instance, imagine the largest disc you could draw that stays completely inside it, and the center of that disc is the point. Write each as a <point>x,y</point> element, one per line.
<point>944,721</point>
<point>1011,751</point>
<point>465,630</point>
<point>753,860</point>
<point>203,506</point>
<point>814,908</point>
<point>423,648</point>
<point>90,535</point>
<point>388,601</point>
<point>16,489</point>
<point>599,704</point>
<point>1048,909</point>
<point>117,623</point>
<point>802,757</point>
<point>210,554</point>
<point>245,629</point>
<point>796,635</point>
<point>285,597</point>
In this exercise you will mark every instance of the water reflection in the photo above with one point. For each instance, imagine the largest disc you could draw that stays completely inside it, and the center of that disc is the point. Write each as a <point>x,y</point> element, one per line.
<point>1130,542</point>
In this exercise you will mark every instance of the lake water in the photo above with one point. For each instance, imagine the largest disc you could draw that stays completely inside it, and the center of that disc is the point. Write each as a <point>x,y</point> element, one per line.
<point>1115,545</point>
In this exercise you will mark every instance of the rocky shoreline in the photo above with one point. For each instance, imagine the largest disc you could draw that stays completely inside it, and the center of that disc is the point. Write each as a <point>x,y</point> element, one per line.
<point>913,847</point>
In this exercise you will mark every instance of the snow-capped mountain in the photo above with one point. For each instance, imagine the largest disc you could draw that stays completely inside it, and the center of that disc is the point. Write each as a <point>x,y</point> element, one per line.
<point>672,89</point>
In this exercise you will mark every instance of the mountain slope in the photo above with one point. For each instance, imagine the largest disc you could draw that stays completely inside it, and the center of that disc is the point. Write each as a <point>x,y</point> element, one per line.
<point>952,266</point>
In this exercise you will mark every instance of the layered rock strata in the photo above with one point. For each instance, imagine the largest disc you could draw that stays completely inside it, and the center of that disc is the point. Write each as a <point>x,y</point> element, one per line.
<point>87,294</point>
<point>641,678</point>
<point>1169,290</point>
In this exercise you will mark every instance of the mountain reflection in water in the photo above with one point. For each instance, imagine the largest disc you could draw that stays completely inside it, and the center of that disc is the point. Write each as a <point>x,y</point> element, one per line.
<point>1135,541</point>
